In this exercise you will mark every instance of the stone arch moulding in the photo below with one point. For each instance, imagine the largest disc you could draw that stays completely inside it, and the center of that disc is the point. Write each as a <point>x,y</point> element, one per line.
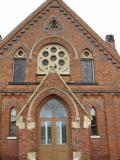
<point>53,40</point>
<point>84,47</point>
<point>20,46</point>
<point>73,108</point>
<point>50,92</point>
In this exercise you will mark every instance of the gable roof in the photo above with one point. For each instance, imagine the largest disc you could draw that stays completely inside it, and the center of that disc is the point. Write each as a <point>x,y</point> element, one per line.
<point>82,26</point>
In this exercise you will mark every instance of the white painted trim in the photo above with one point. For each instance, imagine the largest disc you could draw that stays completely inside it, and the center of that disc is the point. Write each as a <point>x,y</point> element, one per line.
<point>11,138</point>
<point>95,137</point>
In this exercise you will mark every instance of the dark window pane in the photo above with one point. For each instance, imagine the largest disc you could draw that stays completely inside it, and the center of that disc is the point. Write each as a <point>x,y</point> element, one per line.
<point>61,54</point>
<point>43,134</point>
<point>94,130</point>
<point>45,53</point>
<point>64,134</point>
<point>46,132</point>
<point>61,137</point>
<point>53,58</point>
<point>45,62</point>
<point>19,70</point>
<point>94,126</point>
<point>13,128</point>
<point>87,70</point>
<point>53,49</point>
<point>61,62</point>
<point>20,53</point>
<point>94,120</point>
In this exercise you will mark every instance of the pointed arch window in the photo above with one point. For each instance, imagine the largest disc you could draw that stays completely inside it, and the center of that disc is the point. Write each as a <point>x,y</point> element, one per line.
<point>87,67</point>
<point>94,130</point>
<point>19,66</point>
<point>12,125</point>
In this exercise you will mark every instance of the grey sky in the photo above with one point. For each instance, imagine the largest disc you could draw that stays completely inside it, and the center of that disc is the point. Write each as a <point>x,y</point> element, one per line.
<point>101,15</point>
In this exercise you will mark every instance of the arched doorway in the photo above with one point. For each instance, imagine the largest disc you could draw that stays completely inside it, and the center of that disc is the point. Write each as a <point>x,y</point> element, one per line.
<point>53,131</point>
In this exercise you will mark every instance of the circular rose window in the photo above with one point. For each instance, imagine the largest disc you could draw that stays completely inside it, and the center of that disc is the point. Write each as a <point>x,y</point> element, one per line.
<point>53,56</point>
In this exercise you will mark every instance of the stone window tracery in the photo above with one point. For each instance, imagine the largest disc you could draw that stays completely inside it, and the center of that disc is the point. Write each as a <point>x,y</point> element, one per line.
<point>20,54</point>
<point>55,56</point>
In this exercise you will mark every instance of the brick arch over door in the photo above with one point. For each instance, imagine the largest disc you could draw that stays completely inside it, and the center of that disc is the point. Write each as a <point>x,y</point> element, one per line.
<point>47,94</point>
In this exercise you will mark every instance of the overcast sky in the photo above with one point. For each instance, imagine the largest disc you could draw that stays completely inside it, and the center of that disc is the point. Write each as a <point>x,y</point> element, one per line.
<point>101,15</point>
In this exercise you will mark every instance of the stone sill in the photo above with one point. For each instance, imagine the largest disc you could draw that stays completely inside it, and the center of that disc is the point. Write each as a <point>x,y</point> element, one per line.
<point>11,138</point>
<point>95,137</point>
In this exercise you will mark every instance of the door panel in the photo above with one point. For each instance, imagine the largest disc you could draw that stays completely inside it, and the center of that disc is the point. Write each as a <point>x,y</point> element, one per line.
<point>62,155</point>
<point>54,154</point>
<point>46,154</point>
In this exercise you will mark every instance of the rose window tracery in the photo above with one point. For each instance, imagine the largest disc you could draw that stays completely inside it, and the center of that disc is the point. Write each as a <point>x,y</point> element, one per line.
<point>53,56</point>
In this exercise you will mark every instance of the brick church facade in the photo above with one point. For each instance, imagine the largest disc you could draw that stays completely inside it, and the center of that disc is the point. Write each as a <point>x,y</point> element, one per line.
<point>59,89</point>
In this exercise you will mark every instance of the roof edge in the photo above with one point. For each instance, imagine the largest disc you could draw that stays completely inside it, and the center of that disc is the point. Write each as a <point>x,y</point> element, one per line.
<point>24,22</point>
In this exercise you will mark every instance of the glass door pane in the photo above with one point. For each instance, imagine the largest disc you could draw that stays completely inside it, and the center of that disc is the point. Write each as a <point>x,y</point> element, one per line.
<point>46,132</point>
<point>61,134</point>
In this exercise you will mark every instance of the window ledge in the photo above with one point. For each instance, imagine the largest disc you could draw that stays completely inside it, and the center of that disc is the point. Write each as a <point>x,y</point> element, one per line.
<point>82,83</point>
<point>11,138</point>
<point>23,83</point>
<point>95,137</point>
<point>89,83</point>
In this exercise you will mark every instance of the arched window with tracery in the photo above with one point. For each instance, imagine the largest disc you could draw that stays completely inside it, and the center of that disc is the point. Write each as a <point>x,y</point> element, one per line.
<point>87,66</point>
<point>12,124</point>
<point>94,130</point>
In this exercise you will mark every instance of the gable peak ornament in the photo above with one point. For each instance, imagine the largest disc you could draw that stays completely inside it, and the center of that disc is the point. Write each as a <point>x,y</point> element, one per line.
<point>54,26</point>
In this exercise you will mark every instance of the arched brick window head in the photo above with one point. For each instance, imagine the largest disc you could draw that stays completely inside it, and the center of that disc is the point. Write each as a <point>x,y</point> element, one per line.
<point>12,127</point>
<point>94,130</point>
